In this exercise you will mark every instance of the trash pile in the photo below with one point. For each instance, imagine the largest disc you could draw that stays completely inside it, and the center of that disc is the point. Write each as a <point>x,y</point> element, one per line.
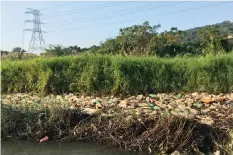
<point>154,122</point>
<point>203,107</point>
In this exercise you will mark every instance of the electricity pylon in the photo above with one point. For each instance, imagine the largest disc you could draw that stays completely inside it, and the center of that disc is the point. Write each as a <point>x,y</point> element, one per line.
<point>37,43</point>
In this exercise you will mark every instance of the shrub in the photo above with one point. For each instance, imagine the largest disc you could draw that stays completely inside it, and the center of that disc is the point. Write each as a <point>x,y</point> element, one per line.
<point>118,75</point>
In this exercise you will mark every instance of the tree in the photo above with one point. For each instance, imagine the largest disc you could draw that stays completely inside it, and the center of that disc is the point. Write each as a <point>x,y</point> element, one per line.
<point>145,40</point>
<point>20,52</point>
<point>59,50</point>
<point>135,39</point>
<point>211,41</point>
<point>110,46</point>
<point>74,49</point>
<point>4,52</point>
<point>18,49</point>
<point>193,36</point>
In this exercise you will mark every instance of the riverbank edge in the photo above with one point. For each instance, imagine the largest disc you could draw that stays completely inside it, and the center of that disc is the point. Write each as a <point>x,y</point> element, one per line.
<point>141,133</point>
<point>118,75</point>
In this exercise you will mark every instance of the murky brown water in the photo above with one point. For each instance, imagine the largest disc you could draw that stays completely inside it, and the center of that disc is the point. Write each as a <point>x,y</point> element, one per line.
<point>55,148</point>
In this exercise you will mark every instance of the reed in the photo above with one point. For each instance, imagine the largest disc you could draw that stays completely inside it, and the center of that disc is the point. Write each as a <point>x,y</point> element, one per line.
<point>102,74</point>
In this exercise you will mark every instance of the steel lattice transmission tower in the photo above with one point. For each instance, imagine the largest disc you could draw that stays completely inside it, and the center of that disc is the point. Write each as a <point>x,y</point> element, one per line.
<point>37,43</point>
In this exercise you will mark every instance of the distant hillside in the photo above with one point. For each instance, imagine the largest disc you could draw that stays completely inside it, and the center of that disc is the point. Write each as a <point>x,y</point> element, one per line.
<point>225,28</point>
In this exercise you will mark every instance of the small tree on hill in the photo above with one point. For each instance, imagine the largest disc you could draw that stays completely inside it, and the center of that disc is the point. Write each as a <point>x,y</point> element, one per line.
<point>211,41</point>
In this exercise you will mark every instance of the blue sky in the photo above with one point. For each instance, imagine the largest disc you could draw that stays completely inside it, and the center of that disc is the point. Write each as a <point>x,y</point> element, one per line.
<point>88,23</point>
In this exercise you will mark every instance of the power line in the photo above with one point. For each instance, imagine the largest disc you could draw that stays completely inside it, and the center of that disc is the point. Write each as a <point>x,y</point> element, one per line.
<point>62,21</point>
<point>81,28</point>
<point>43,9</point>
<point>67,11</point>
<point>179,11</point>
<point>199,7</point>
<point>145,9</point>
<point>84,10</point>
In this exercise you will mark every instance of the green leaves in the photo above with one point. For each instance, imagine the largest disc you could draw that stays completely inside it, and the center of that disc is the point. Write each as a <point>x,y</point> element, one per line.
<point>198,105</point>
<point>211,41</point>
<point>118,75</point>
<point>180,95</point>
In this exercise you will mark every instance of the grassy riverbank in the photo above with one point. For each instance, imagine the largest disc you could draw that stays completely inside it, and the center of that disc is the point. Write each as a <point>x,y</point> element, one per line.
<point>190,123</point>
<point>154,123</point>
<point>91,74</point>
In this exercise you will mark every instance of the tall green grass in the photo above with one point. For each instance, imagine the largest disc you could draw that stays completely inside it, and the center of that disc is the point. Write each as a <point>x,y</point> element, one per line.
<point>118,75</point>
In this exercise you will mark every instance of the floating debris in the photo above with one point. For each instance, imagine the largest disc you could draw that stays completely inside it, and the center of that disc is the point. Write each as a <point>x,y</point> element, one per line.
<point>44,139</point>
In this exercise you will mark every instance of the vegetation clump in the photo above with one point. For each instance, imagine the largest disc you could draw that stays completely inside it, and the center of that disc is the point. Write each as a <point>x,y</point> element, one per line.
<point>98,74</point>
<point>145,40</point>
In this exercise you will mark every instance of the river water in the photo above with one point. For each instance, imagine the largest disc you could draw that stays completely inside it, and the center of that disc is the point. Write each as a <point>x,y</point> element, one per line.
<point>56,148</point>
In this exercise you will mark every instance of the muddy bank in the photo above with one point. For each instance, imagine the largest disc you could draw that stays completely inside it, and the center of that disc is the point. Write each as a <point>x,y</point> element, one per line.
<point>190,123</point>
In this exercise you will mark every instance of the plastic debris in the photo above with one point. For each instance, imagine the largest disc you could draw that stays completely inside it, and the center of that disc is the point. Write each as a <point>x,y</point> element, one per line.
<point>152,95</point>
<point>198,105</point>
<point>206,100</point>
<point>180,95</point>
<point>156,108</point>
<point>176,153</point>
<point>44,139</point>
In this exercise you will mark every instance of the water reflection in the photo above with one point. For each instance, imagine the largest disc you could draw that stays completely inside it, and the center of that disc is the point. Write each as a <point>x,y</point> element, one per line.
<point>55,148</point>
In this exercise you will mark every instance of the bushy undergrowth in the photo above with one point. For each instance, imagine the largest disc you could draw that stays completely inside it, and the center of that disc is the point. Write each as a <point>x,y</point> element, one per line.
<point>18,56</point>
<point>155,134</point>
<point>118,75</point>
